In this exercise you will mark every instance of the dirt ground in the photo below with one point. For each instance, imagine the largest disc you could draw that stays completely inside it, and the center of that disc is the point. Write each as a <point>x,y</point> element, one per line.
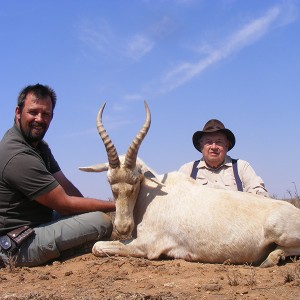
<point>88,277</point>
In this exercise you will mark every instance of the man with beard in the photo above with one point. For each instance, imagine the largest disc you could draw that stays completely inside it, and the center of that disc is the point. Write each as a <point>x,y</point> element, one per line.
<point>33,190</point>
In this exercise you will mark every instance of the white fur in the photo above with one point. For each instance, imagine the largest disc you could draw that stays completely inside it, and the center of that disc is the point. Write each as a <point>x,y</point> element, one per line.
<point>182,219</point>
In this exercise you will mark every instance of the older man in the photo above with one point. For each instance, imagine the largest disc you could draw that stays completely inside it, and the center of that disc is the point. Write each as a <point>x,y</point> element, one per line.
<point>32,187</point>
<point>217,169</point>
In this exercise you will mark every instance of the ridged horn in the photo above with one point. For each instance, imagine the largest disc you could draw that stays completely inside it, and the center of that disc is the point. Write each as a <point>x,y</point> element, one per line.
<point>112,155</point>
<point>131,155</point>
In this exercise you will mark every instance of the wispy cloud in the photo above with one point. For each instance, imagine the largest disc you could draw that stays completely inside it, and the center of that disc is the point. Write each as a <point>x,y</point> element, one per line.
<point>102,38</point>
<point>98,37</point>
<point>250,33</point>
<point>162,28</point>
<point>138,46</point>
<point>142,43</point>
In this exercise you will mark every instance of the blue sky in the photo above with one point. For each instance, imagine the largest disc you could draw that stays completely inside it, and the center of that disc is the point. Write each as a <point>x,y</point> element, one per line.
<point>237,61</point>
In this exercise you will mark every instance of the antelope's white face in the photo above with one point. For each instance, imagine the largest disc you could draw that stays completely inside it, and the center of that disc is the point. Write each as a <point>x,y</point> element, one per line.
<point>125,187</point>
<point>123,173</point>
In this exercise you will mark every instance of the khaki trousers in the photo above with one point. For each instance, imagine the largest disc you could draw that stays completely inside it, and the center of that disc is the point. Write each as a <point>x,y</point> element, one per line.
<point>51,239</point>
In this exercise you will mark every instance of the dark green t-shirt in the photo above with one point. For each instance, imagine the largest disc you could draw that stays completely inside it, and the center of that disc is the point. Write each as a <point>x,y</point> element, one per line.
<point>25,173</point>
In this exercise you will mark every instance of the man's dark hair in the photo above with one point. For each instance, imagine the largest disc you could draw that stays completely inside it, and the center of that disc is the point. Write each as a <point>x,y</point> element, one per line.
<point>39,91</point>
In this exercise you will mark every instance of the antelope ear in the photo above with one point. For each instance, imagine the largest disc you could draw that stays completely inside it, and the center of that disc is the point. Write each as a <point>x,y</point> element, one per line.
<point>95,168</point>
<point>148,172</point>
<point>153,178</point>
<point>144,169</point>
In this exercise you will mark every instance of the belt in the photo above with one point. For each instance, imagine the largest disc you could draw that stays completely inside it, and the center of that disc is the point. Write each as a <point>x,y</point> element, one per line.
<point>15,238</point>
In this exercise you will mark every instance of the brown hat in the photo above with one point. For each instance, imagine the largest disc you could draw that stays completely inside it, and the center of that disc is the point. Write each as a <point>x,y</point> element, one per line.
<point>213,125</point>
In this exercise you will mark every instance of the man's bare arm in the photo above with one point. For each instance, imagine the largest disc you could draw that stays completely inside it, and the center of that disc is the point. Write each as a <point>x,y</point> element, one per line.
<point>67,185</point>
<point>58,200</point>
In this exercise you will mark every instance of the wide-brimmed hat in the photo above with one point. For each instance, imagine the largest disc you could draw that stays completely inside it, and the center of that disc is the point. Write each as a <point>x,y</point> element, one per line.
<point>213,125</point>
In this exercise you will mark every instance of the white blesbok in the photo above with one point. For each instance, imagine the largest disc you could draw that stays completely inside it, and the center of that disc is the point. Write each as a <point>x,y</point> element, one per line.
<point>171,215</point>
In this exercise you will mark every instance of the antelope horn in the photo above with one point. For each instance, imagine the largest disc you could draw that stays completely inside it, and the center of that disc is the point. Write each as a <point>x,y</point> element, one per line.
<point>112,155</point>
<point>131,155</point>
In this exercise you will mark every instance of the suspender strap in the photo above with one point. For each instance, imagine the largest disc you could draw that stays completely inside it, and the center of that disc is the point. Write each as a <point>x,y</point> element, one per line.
<point>235,172</point>
<point>195,170</point>
<point>236,175</point>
